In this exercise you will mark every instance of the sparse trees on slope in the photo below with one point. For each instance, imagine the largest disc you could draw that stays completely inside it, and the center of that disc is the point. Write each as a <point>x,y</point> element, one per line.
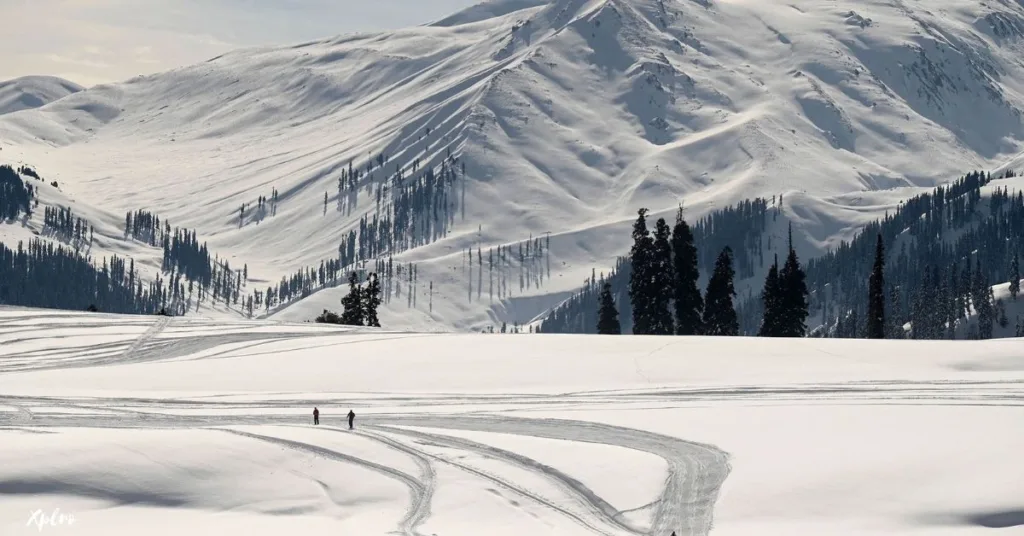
<point>353,303</point>
<point>719,312</point>
<point>661,281</point>
<point>607,314</point>
<point>876,294</point>
<point>770,297</point>
<point>641,255</point>
<point>688,302</point>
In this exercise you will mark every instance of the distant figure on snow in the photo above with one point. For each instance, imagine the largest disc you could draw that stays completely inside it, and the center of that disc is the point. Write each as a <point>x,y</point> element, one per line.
<point>351,418</point>
<point>316,416</point>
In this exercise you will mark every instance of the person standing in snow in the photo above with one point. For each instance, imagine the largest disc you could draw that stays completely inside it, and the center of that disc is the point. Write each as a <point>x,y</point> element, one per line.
<point>351,418</point>
<point>316,416</point>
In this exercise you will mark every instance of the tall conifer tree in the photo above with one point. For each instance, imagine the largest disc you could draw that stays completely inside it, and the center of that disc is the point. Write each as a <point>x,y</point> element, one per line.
<point>661,281</point>
<point>687,299</point>
<point>371,300</point>
<point>770,297</point>
<point>719,311</point>
<point>641,256</point>
<point>353,303</point>
<point>793,296</point>
<point>607,314</point>
<point>1014,277</point>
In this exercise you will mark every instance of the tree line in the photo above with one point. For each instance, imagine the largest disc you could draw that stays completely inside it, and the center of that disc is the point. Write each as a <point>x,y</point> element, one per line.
<point>48,275</point>
<point>941,252</point>
<point>945,250</point>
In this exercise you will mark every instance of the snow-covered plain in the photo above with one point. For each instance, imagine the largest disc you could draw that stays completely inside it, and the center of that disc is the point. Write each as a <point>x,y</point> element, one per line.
<point>569,116</point>
<point>168,426</point>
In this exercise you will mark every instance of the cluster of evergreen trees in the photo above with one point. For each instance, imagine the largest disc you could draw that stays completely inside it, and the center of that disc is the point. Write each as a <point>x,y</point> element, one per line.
<point>946,249</point>
<point>183,253</point>
<point>15,194</point>
<point>699,249</point>
<point>360,304</point>
<point>62,223</point>
<point>194,274</point>
<point>785,298</point>
<point>663,291</point>
<point>665,299</point>
<point>942,251</point>
<point>46,275</point>
<point>145,227</point>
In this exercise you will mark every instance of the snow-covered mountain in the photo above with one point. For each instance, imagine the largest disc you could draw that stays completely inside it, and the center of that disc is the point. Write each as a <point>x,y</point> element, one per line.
<point>566,116</point>
<point>33,91</point>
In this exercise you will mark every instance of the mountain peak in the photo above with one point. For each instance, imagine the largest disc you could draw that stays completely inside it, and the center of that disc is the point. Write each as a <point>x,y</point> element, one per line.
<point>29,92</point>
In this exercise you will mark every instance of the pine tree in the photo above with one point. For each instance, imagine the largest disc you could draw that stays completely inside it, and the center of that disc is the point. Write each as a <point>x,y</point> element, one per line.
<point>793,296</point>
<point>876,294</point>
<point>770,298</point>
<point>688,302</point>
<point>353,303</point>
<point>894,326</point>
<point>661,281</point>
<point>719,312</point>
<point>371,300</point>
<point>1014,277</point>
<point>979,287</point>
<point>986,314</point>
<point>641,257</point>
<point>607,314</point>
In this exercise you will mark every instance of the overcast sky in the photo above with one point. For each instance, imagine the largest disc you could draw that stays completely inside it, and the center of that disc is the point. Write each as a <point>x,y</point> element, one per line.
<point>97,41</point>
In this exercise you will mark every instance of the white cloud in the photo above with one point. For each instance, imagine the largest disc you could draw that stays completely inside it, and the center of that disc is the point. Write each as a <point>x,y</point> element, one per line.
<point>97,41</point>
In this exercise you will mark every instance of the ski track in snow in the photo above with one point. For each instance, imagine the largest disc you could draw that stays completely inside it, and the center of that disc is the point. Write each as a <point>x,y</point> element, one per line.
<point>685,503</point>
<point>420,491</point>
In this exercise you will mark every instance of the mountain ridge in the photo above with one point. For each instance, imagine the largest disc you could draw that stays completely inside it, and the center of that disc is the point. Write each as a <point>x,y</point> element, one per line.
<point>567,115</point>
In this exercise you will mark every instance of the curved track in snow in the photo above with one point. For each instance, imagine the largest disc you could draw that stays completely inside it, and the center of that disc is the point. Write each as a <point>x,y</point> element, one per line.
<point>431,429</point>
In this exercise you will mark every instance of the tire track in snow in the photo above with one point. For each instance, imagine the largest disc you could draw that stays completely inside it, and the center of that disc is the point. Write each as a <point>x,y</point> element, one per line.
<point>150,333</point>
<point>427,474</point>
<point>696,471</point>
<point>586,497</point>
<point>501,482</point>
<point>420,493</point>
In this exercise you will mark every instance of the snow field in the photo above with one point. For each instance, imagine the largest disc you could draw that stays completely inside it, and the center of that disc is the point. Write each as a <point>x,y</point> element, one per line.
<point>461,433</point>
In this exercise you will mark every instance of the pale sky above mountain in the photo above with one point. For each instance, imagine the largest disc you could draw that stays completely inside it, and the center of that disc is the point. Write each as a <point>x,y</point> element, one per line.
<point>98,41</point>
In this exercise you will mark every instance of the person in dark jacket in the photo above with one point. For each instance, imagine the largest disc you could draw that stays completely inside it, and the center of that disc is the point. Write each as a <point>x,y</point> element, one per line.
<point>351,418</point>
<point>316,416</point>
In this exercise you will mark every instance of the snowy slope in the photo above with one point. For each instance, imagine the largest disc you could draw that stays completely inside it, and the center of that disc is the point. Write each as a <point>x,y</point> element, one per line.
<point>163,426</point>
<point>33,91</point>
<point>568,116</point>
